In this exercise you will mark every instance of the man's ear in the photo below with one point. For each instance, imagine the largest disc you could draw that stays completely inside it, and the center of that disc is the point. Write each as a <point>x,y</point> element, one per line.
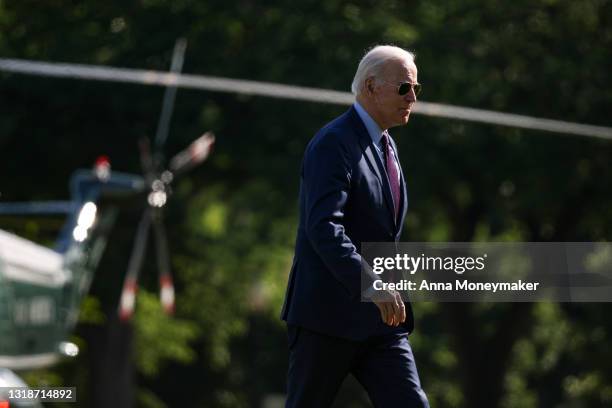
<point>369,83</point>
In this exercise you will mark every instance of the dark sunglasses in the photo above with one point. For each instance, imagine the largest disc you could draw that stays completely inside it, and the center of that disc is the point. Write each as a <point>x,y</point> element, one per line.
<point>405,87</point>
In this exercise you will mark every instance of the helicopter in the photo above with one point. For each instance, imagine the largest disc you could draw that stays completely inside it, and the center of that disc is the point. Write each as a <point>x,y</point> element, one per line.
<point>41,288</point>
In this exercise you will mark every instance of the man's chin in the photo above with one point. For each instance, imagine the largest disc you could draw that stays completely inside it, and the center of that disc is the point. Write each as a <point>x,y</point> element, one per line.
<point>401,121</point>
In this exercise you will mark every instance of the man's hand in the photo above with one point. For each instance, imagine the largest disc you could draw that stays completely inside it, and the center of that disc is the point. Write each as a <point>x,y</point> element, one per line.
<point>391,306</point>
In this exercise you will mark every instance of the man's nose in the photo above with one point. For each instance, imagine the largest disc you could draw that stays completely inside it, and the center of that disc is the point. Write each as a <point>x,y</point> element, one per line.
<point>410,96</point>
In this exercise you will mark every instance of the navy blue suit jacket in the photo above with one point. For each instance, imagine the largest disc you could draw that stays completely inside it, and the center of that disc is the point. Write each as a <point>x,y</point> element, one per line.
<point>345,199</point>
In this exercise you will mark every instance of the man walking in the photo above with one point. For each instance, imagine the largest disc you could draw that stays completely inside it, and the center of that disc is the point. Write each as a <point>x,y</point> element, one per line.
<point>353,191</point>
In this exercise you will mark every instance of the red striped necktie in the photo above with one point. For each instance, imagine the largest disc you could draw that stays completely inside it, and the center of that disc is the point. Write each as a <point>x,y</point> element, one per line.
<point>392,171</point>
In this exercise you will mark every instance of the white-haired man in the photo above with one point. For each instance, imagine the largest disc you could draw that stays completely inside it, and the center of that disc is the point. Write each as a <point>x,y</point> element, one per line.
<point>352,191</point>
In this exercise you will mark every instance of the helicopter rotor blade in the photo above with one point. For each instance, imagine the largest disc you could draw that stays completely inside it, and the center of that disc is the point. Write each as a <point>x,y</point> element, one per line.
<point>163,262</point>
<point>146,159</point>
<point>194,154</point>
<point>163,126</point>
<point>130,284</point>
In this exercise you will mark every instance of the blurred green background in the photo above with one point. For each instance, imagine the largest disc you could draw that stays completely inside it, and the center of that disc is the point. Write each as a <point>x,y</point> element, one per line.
<point>232,221</point>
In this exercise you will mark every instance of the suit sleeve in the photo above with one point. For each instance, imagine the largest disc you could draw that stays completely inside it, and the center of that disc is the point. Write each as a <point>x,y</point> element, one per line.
<point>327,180</point>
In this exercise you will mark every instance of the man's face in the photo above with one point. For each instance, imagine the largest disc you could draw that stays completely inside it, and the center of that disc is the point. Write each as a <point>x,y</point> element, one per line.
<point>393,109</point>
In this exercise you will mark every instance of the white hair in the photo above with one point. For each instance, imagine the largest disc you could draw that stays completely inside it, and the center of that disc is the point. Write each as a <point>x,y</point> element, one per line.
<point>373,63</point>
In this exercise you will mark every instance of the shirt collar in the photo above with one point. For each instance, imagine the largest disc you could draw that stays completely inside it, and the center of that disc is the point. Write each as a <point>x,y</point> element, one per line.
<point>374,130</point>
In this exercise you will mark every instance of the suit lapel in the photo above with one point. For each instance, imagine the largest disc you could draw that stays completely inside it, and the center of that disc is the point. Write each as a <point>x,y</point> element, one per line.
<point>374,161</point>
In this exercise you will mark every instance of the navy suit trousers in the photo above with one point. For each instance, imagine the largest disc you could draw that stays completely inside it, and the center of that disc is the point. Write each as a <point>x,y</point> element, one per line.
<point>384,365</point>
